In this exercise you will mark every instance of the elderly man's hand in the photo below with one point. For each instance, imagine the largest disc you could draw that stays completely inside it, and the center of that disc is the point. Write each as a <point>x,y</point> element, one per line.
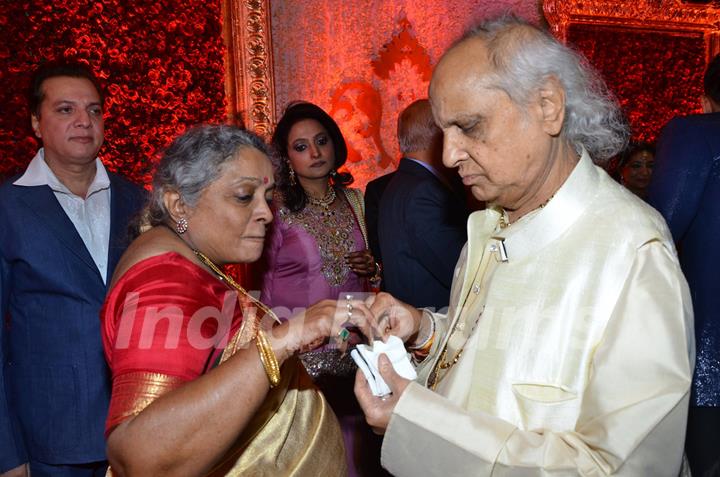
<point>393,317</point>
<point>378,410</point>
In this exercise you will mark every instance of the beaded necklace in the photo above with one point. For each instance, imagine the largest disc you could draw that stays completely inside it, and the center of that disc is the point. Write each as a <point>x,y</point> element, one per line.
<point>332,228</point>
<point>325,201</point>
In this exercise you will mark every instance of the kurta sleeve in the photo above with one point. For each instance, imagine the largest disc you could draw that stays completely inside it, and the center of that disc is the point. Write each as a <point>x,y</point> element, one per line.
<point>632,413</point>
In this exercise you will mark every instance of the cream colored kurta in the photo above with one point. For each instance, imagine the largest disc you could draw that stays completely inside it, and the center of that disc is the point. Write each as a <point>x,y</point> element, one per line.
<point>575,325</point>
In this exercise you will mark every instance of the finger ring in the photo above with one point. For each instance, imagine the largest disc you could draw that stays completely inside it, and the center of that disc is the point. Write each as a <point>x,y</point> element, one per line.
<point>385,397</point>
<point>349,306</point>
<point>343,334</point>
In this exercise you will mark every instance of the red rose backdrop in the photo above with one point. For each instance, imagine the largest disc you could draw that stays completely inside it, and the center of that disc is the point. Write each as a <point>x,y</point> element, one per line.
<point>655,75</point>
<point>161,63</point>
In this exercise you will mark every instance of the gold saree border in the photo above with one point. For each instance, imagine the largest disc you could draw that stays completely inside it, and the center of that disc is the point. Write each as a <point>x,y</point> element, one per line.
<point>355,199</point>
<point>133,392</point>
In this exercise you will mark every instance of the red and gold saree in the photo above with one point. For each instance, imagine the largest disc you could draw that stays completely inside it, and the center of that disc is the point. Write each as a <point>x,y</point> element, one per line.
<point>166,322</point>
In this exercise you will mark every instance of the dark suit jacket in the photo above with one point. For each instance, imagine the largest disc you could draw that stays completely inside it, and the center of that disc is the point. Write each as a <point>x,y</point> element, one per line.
<point>54,384</point>
<point>685,188</point>
<point>422,229</point>
<point>373,192</point>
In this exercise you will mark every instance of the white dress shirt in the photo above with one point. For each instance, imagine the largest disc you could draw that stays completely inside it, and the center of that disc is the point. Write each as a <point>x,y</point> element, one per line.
<point>89,215</point>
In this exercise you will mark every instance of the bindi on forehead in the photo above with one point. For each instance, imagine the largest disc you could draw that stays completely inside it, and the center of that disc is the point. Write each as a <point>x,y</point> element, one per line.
<point>266,179</point>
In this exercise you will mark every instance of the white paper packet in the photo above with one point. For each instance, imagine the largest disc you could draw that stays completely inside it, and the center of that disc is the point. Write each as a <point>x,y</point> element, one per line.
<point>366,357</point>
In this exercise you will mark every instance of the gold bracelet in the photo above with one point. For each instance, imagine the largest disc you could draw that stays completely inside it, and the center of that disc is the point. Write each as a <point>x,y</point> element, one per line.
<point>378,272</point>
<point>427,343</point>
<point>268,359</point>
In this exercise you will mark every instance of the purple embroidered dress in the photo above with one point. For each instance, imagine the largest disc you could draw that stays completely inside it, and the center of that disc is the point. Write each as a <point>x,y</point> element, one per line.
<point>305,263</point>
<point>305,256</point>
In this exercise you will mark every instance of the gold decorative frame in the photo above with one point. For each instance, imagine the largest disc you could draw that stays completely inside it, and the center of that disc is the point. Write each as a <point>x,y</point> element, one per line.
<point>659,15</point>
<point>249,83</point>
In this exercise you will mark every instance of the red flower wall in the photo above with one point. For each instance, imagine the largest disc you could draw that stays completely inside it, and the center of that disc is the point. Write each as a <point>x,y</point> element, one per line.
<point>655,75</point>
<point>161,63</point>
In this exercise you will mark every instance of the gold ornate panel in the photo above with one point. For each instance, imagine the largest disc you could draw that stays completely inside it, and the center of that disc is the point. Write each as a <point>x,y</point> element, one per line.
<point>249,72</point>
<point>661,15</point>
<point>651,53</point>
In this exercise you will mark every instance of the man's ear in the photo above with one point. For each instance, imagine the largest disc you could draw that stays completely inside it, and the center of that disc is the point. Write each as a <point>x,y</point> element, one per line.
<point>174,204</point>
<point>35,123</point>
<point>552,106</point>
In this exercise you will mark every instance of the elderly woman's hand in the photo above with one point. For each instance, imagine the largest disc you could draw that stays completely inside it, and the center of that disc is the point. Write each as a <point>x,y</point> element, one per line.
<point>362,263</point>
<point>321,322</point>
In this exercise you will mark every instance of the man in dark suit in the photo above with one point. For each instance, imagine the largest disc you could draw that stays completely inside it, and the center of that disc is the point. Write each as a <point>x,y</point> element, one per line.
<point>63,227</point>
<point>373,193</point>
<point>685,188</point>
<point>422,217</point>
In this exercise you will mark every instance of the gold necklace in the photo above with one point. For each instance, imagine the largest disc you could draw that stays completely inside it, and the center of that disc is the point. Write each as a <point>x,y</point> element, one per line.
<point>325,201</point>
<point>503,222</point>
<point>231,282</point>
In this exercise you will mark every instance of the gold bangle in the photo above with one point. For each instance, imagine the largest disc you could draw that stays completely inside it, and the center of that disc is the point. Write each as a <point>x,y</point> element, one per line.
<point>422,351</point>
<point>377,275</point>
<point>268,359</point>
<point>427,343</point>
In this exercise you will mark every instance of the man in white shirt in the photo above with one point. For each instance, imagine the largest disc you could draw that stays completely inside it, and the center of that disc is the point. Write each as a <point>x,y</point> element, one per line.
<point>63,227</point>
<point>568,347</point>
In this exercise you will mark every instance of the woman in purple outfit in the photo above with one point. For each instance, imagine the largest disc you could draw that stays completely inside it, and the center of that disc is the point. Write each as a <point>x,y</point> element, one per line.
<point>317,249</point>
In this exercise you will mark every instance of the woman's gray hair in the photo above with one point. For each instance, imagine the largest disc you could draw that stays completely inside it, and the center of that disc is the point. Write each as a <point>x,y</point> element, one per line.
<point>525,57</point>
<point>192,162</point>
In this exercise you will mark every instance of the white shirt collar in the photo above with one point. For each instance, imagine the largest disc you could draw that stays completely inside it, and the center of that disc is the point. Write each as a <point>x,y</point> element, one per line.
<point>38,173</point>
<point>432,170</point>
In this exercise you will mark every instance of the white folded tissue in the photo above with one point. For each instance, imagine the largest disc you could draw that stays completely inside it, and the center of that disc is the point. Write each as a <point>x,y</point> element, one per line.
<point>366,358</point>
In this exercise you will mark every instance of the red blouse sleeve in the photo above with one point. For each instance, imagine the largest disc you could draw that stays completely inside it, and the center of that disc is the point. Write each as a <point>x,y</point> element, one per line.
<point>163,323</point>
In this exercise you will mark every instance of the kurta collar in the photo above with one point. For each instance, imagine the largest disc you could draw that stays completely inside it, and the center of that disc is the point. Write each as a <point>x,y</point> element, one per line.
<point>531,234</point>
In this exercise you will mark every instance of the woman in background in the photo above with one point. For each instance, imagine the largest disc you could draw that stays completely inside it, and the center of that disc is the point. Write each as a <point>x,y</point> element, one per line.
<point>317,249</point>
<point>635,168</point>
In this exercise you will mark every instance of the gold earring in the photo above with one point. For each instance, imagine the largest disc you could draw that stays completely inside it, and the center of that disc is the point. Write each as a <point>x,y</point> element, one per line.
<point>292,175</point>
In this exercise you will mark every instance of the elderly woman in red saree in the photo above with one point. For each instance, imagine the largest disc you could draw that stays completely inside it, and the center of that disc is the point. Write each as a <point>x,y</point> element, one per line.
<point>205,381</point>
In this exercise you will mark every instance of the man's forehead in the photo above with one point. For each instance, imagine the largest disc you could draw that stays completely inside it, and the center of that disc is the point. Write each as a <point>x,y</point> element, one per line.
<point>465,62</point>
<point>61,84</point>
<point>471,53</point>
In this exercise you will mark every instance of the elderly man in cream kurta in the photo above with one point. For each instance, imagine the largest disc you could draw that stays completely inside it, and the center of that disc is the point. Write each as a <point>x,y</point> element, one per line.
<point>568,346</point>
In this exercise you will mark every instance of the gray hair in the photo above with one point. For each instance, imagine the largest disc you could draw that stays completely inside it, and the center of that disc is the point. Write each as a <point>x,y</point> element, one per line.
<point>416,128</point>
<point>524,57</point>
<point>193,161</point>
